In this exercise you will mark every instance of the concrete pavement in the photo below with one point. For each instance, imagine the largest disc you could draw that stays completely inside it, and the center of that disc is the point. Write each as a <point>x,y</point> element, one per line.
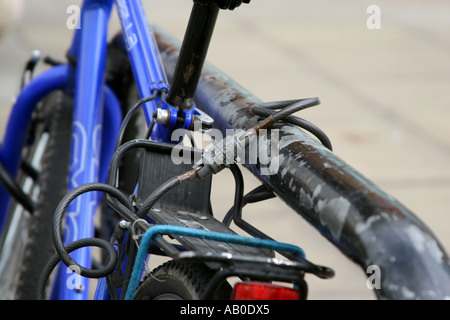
<point>385,97</point>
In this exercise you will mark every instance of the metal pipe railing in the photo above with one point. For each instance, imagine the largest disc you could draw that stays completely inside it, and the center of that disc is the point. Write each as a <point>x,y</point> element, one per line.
<point>363,222</point>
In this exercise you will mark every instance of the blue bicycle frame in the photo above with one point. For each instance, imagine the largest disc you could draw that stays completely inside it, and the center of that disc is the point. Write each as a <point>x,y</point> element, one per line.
<point>97,116</point>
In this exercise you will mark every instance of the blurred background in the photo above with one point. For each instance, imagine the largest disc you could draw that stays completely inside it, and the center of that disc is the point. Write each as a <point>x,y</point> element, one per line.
<point>385,96</point>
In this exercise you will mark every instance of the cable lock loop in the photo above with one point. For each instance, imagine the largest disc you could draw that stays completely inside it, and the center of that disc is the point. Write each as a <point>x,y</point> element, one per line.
<point>62,251</point>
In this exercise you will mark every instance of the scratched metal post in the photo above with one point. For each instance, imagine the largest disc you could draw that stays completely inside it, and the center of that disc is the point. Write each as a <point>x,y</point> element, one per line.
<point>363,222</point>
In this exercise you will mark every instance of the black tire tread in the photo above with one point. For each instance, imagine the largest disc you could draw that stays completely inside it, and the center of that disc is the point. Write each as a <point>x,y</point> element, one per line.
<point>53,180</point>
<point>193,276</point>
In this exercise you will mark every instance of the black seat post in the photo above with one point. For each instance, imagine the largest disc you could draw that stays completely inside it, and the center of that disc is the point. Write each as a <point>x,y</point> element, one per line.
<point>193,53</point>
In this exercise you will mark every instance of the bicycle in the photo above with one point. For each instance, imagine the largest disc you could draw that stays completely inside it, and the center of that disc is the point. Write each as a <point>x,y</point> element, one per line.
<point>204,251</point>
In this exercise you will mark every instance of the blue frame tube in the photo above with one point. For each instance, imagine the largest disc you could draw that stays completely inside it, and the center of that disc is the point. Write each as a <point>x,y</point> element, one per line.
<point>142,51</point>
<point>89,49</point>
<point>111,123</point>
<point>146,64</point>
<point>14,139</point>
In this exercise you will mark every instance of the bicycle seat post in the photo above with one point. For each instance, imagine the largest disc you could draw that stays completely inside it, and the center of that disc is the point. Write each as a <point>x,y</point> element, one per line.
<point>193,53</point>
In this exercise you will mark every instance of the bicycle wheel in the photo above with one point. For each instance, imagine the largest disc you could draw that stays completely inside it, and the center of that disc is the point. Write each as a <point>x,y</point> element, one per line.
<point>27,245</point>
<point>179,280</point>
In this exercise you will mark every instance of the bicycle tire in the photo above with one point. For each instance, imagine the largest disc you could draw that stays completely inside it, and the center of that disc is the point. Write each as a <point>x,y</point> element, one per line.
<point>52,180</point>
<point>179,280</point>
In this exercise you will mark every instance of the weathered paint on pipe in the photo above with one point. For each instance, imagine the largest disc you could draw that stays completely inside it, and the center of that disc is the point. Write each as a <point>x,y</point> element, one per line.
<point>366,224</point>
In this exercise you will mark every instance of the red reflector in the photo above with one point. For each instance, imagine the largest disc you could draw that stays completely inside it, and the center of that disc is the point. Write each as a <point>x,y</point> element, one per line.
<point>263,291</point>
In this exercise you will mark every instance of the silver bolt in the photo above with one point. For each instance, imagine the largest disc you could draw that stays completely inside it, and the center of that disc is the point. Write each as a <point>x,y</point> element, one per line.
<point>162,116</point>
<point>123,224</point>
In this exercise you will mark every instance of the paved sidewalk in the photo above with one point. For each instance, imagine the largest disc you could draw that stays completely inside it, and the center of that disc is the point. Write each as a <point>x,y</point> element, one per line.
<point>385,96</point>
